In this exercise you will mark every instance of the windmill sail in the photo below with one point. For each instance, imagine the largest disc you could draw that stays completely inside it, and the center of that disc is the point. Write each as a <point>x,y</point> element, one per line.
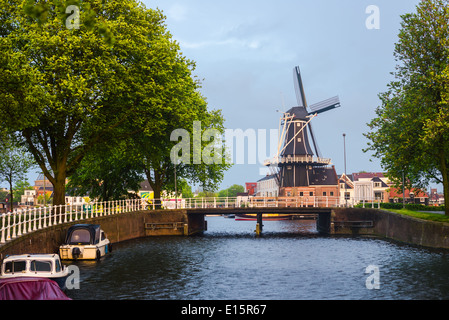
<point>299,88</point>
<point>325,105</point>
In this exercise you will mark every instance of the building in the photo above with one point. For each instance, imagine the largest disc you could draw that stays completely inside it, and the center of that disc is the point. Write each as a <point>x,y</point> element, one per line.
<point>435,198</point>
<point>268,186</point>
<point>145,191</point>
<point>416,196</point>
<point>28,198</point>
<point>76,201</point>
<point>251,188</point>
<point>371,186</point>
<point>42,186</point>
<point>346,186</point>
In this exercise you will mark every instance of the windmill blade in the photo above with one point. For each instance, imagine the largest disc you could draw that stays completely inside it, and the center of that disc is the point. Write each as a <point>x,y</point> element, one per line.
<point>317,150</point>
<point>325,105</point>
<point>299,89</point>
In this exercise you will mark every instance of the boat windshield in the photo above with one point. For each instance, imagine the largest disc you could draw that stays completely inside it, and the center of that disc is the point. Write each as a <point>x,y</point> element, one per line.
<point>40,266</point>
<point>15,266</point>
<point>80,236</point>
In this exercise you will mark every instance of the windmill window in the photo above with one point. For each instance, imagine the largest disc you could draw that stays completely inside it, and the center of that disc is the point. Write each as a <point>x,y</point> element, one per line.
<point>299,140</point>
<point>289,167</point>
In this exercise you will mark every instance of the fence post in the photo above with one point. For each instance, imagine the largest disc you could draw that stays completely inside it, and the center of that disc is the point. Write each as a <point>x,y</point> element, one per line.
<point>29,219</point>
<point>8,231</point>
<point>19,224</point>
<point>40,218</point>
<point>34,219</point>
<point>24,223</point>
<point>14,214</point>
<point>55,215</point>
<point>65,213</point>
<point>45,217</point>
<point>2,240</point>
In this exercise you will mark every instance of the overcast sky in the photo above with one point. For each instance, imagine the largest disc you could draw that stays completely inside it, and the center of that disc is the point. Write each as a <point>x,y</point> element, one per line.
<point>246,51</point>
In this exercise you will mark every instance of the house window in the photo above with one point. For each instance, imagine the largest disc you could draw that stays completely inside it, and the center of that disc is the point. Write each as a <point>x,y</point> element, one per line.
<point>324,194</point>
<point>301,194</point>
<point>332,193</point>
<point>311,193</point>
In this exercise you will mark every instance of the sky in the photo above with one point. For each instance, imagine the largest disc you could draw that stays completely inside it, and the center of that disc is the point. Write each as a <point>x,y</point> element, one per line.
<point>245,52</point>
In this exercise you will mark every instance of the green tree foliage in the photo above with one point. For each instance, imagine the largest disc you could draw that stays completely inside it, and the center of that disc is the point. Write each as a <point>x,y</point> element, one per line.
<point>106,173</point>
<point>15,162</point>
<point>185,189</point>
<point>232,191</point>
<point>411,131</point>
<point>67,90</point>
<point>19,189</point>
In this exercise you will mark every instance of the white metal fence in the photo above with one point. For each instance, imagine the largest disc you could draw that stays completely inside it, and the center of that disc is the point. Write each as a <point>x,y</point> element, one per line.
<point>25,220</point>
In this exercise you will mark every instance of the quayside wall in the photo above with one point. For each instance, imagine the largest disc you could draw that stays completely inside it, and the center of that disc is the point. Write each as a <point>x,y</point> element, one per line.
<point>120,227</point>
<point>390,225</point>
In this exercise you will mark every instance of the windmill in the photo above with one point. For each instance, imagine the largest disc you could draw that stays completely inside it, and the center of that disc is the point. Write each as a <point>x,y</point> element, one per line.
<point>297,157</point>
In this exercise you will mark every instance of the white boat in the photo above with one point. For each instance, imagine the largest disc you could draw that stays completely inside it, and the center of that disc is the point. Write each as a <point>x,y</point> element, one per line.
<point>35,266</point>
<point>85,242</point>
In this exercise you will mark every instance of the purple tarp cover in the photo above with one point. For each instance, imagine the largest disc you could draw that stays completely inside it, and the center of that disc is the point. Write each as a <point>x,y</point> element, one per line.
<point>27,288</point>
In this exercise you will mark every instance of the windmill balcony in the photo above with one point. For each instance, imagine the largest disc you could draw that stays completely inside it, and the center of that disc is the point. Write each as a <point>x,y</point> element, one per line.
<point>299,159</point>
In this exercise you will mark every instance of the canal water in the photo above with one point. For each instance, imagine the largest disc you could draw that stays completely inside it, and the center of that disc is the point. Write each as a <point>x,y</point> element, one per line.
<point>290,261</point>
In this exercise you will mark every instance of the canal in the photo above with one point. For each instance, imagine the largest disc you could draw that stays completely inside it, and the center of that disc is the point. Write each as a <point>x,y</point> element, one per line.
<point>290,261</point>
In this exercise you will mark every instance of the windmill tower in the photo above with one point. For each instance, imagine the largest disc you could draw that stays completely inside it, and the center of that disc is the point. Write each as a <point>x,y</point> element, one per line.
<point>298,162</point>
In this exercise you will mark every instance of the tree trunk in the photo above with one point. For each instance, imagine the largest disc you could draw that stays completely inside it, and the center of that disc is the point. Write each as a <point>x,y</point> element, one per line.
<point>156,185</point>
<point>59,188</point>
<point>445,175</point>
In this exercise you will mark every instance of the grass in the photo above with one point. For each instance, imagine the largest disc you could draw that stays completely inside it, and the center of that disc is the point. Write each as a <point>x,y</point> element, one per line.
<point>422,215</point>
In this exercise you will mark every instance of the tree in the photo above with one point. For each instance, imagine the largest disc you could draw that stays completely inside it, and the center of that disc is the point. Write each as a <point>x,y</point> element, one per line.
<point>231,191</point>
<point>15,162</point>
<point>411,133</point>
<point>19,189</point>
<point>108,172</point>
<point>185,189</point>
<point>68,90</point>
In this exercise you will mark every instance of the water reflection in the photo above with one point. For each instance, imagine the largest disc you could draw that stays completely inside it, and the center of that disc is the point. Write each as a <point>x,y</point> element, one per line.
<point>289,261</point>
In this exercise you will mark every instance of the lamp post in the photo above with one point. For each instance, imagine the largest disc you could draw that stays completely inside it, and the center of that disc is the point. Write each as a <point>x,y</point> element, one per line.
<point>176,187</point>
<point>344,151</point>
<point>403,189</point>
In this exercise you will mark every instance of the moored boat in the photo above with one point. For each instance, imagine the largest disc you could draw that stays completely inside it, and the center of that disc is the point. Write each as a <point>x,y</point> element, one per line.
<point>85,242</point>
<point>35,266</point>
<point>30,288</point>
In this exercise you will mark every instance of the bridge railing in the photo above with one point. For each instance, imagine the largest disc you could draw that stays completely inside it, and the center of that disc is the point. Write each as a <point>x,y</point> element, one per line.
<point>25,220</point>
